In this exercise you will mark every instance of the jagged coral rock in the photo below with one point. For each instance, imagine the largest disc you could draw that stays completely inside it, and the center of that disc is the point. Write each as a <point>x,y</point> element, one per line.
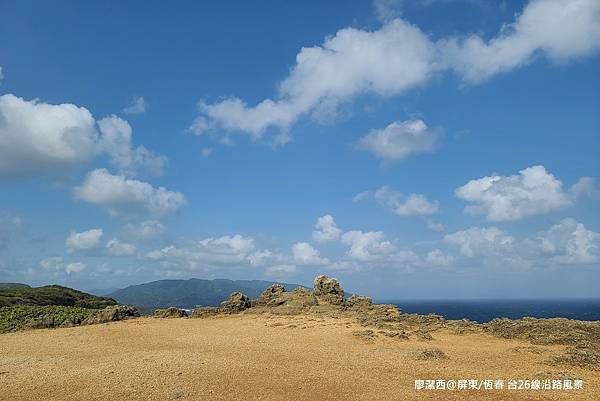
<point>170,312</point>
<point>237,302</point>
<point>112,314</point>
<point>328,290</point>
<point>205,311</point>
<point>359,302</point>
<point>272,296</point>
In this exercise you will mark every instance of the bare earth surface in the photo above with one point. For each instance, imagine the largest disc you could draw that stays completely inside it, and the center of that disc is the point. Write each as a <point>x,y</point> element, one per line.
<point>264,357</point>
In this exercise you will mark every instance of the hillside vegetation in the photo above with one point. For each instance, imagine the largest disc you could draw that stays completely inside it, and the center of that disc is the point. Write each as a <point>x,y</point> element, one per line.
<point>23,295</point>
<point>189,293</point>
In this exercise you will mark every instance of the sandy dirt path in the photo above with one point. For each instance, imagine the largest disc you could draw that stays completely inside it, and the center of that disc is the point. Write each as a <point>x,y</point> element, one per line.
<point>261,357</point>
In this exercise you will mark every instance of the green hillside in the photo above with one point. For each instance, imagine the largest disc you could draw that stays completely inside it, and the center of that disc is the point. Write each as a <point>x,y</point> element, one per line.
<point>12,294</point>
<point>189,293</point>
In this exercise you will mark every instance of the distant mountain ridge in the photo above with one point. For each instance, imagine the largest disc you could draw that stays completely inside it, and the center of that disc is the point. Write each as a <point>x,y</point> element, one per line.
<point>190,293</point>
<point>15,294</point>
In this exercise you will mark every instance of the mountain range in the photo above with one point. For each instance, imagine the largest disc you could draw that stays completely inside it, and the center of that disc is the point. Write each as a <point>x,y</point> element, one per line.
<point>189,293</point>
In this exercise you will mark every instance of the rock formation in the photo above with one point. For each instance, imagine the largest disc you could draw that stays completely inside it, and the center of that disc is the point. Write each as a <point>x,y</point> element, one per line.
<point>272,296</point>
<point>111,314</point>
<point>328,291</point>
<point>170,312</point>
<point>237,302</point>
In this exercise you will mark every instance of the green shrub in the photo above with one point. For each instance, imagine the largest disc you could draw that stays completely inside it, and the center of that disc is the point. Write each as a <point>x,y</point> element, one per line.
<point>17,317</point>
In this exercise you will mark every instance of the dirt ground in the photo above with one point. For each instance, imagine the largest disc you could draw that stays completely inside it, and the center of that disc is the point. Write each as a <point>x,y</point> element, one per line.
<point>264,357</point>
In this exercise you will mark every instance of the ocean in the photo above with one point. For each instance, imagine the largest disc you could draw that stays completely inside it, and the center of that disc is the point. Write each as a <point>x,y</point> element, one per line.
<point>485,310</point>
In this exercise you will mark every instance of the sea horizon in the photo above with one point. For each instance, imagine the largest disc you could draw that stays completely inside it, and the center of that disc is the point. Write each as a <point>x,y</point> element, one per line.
<point>484,310</point>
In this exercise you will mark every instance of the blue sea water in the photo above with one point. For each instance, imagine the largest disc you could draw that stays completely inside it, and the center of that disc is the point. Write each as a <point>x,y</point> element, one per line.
<point>485,310</point>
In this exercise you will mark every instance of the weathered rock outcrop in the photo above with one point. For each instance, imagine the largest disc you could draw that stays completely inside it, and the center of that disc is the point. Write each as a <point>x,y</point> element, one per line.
<point>205,311</point>
<point>275,295</point>
<point>236,303</point>
<point>359,302</point>
<point>111,314</point>
<point>170,312</point>
<point>328,291</point>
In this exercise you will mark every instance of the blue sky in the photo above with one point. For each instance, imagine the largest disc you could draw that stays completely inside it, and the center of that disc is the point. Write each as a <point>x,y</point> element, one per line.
<point>412,149</point>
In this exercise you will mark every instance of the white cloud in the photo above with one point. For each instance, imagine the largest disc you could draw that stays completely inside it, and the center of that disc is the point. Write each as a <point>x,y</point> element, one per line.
<point>1,75</point>
<point>137,106</point>
<point>116,141</point>
<point>84,240</point>
<point>561,29</point>
<point>436,227</point>
<point>121,195</point>
<point>57,265</point>
<point>399,56</point>
<point>280,270</point>
<point>366,246</point>
<point>387,61</point>
<point>326,230</point>
<point>226,250</point>
<point>569,242</point>
<point>146,229</point>
<point>503,198</point>
<point>37,137</point>
<point>305,254</point>
<point>584,187</point>
<point>115,247</point>
<point>75,267</point>
<point>481,241</point>
<point>439,258</point>
<point>399,140</point>
<point>411,205</point>
<point>387,10</point>
<point>361,196</point>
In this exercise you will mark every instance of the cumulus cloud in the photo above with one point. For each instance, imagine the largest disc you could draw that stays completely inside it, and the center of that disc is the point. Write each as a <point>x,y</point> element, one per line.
<point>115,247</point>
<point>145,229</point>
<point>38,137</point>
<point>399,56</point>
<point>366,246</point>
<point>229,252</point>
<point>402,205</point>
<point>436,227</point>
<point>560,29</point>
<point>137,106</point>
<point>481,241</point>
<point>84,240</point>
<point>570,242</point>
<point>116,141</point>
<point>387,10</point>
<point>58,265</point>
<point>411,205</point>
<point>437,257</point>
<point>326,230</point>
<point>122,195</point>
<point>387,61</point>
<point>399,140</point>
<point>566,243</point>
<point>305,254</point>
<point>504,198</point>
